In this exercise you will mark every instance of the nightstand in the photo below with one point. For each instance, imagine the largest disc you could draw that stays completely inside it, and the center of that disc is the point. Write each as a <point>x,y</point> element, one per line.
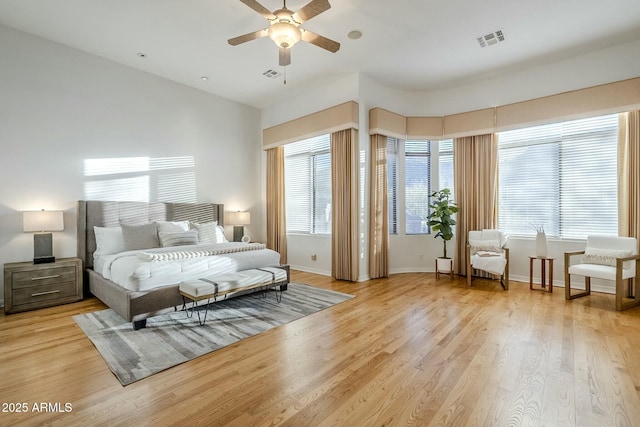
<point>28,286</point>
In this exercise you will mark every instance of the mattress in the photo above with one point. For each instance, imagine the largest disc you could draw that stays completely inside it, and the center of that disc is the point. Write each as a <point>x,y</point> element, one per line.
<point>145,269</point>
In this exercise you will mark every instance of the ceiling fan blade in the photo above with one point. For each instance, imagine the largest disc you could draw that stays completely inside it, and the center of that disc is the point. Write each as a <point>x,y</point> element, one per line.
<point>311,9</point>
<point>285,57</point>
<point>320,41</point>
<point>248,37</point>
<point>253,4</point>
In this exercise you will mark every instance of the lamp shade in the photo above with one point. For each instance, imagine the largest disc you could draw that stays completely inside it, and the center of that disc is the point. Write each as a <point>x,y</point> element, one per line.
<point>238,218</point>
<point>34,221</point>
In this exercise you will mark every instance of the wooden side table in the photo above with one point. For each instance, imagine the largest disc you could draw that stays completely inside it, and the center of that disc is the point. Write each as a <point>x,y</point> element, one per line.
<point>28,286</point>
<point>543,276</point>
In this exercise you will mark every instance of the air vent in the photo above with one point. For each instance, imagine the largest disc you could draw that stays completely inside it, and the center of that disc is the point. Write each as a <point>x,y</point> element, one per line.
<point>271,74</point>
<point>491,38</point>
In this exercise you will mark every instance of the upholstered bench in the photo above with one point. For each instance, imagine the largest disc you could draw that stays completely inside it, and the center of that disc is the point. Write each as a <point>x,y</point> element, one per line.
<point>223,285</point>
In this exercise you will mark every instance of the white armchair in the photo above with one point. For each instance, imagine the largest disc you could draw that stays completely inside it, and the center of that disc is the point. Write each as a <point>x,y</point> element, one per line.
<point>608,258</point>
<point>487,251</point>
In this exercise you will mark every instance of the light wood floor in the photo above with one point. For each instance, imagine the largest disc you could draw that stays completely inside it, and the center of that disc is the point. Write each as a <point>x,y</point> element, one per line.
<point>408,350</point>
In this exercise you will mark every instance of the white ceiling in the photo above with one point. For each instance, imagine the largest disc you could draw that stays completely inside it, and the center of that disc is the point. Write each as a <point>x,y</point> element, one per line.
<point>414,45</point>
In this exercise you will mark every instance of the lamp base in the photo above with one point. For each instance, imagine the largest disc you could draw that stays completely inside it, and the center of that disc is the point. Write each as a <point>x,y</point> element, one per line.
<point>238,232</point>
<point>43,248</point>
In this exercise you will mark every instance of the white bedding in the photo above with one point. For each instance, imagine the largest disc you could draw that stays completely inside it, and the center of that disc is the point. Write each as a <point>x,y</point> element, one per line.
<point>486,261</point>
<point>133,269</point>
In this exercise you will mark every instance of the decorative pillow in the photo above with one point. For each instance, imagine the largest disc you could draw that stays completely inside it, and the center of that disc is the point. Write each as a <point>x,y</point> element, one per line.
<point>220,237</point>
<point>485,245</point>
<point>140,236</point>
<point>209,232</point>
<point>605,256</point>
<point>172,226</point>
<point>109,240</point>
<point>178,238</point>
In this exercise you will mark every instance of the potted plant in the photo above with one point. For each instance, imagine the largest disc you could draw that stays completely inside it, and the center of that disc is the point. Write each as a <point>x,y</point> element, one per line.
<point>441,221</point>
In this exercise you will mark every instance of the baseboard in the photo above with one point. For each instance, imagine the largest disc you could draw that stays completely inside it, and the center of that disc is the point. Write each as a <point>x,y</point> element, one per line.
<point>310,270</point>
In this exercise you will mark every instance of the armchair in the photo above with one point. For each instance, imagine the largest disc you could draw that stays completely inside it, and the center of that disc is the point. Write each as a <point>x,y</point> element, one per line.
<point>487,251</point>
<point>608,258</point>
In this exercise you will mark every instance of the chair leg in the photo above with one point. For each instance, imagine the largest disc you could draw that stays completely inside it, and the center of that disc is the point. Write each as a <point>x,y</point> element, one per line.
<point>567,287</point>
<point>631,301</point>
<point>469,268</point>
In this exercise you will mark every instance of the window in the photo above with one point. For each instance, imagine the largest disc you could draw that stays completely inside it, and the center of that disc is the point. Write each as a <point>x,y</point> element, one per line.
<point>410,162</point>
<point>307,166</point>
<point>445,165</point>
<point>417,174</point>
<point>392,183</point>
<point>561,176</point>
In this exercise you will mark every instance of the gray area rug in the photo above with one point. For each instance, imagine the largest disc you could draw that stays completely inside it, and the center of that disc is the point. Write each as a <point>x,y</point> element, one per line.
<point>172,338</point>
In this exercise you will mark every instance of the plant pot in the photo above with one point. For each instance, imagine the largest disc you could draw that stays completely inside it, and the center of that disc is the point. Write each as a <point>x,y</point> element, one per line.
<point>444,266</point>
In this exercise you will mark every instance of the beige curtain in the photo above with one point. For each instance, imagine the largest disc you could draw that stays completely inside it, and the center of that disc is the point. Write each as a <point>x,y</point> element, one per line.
<point>629,175</point>
<point>344,212</point>
<point>276,213</point>
<point>378,210</point>
<point>475,168</point>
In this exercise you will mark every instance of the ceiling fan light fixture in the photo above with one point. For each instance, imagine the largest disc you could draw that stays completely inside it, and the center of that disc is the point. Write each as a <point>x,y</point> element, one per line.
<point>284,34</point>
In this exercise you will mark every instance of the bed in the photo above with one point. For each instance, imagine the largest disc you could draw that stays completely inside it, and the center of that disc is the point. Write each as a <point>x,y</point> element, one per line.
<point>145,278</point>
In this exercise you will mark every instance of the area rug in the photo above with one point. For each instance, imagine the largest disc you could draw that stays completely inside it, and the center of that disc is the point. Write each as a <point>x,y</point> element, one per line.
<point>172,338</point>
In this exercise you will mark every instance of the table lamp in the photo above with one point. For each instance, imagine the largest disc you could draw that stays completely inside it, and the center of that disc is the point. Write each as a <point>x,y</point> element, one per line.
<point>239,220</point>
<point>42,223</point>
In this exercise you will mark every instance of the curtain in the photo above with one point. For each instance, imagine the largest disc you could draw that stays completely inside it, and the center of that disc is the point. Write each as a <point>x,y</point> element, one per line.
<point>475,168</point>
<point>276,213</point>
<point>378,210</point>
<point>344,212</point>
<point>629,175</point>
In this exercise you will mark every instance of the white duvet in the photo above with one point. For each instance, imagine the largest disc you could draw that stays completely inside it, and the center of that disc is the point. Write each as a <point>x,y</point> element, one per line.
<point>145,269</point>
<point>491,262</point>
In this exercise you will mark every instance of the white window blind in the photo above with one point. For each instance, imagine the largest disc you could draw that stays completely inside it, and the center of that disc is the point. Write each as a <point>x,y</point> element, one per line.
<point>561,176</point>
<point>445,165</point>
<point>307,166</point>
<point>417,160</point>
<point>392,183</point>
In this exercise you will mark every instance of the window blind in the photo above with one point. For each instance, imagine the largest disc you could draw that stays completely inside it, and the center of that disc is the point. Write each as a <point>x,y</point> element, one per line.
<point>445,165</point>
<point>417,160</point>
<point>392,183</point>
<point>561,176</point>
<point>307,167</point>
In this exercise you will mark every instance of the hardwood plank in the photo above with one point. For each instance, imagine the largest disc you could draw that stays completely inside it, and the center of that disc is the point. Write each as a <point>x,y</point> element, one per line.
<point>408,350</point>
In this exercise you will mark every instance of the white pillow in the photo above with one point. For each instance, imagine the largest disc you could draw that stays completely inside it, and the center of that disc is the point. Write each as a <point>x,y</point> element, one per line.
<point>109,240</point>
<point>178,238</point>
<point>220,237</point>
<point>485,245</point>
<point>209,232</point>
<point>605,256</point>
<point>172,226</point>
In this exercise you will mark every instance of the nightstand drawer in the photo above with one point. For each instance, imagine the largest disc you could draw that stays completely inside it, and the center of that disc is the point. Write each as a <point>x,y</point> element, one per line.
<point>43,292</point>
<point>46,276</point>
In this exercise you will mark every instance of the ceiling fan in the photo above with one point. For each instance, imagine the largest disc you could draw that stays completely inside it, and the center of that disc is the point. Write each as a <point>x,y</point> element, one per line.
<point>285,29</point>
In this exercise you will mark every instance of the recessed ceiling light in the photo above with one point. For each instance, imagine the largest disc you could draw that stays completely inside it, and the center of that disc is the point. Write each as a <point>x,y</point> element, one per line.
<point>204,78</point>
<point>141,54</point>
<point>354,34</point>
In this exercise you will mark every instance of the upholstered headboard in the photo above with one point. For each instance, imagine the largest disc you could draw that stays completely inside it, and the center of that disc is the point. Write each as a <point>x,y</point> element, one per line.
<point>112,214</point>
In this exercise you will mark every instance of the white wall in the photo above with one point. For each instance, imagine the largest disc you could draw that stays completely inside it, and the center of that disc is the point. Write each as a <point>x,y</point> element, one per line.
<point>60,107</point>
<point>417,253</point>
